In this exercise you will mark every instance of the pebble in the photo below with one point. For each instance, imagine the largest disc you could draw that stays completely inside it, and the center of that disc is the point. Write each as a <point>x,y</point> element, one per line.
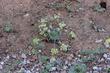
<point>95,68</point>
<point>65,67</point>
<point>14,56</point>
<point>26,15</point>
<point>101,60</point>
<point>99,41</point>
<point>23,56</point>
<point>53,69</point>
<point>27,71</point>
<point>64,71</point>
<point>105,55</point>
<point>24,61</point>
<point>1,63</point>
<point>95,72</point>
<point>1,67</point>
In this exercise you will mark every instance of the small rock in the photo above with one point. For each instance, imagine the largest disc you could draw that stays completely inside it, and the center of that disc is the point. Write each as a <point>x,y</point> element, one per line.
<point>99,41</point>
<point>105,55</point>
<point>95,68</point>
<point>40,51</point>
<point>53,69</point>
<point>66,62</point>
<point>28,61</point>
<point>95,72</point>
<point>23,56</point>
<point>1,63</point>
<point>65,67</point>
<point>27,71</point>
<point>14,56</point>
<point>101,60</point>
<point>64,71</point>
<point>24,61</point>
<point>1,67</point>
<point>26,15</point>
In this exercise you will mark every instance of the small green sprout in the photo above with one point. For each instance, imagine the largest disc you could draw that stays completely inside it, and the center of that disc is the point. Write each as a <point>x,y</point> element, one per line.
<point>37,43</point>
<point>78,68</point>
<point>72,35</point>
<point>43,29</point>
<point>95,51</point>
<point>64,47</point>
<point>62,25</point>
<point>54,51</point>
<point>8,27</point>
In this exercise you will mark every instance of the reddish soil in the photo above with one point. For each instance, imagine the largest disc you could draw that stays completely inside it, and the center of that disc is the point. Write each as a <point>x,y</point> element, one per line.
<point>23,14</point>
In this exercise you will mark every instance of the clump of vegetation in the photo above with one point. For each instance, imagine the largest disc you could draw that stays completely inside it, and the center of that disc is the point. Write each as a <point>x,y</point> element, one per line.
<point>37,43</point>
<point>64,47</point>
<point>78,68</point>
<point>89,59</point>
<point>95,51</point>
<point>43,59</point>
<point>66,4</point>
<point>43,28</point>
<point>62,25</point>
<point>72,35</point>
<point>108,70</point>
<point>107,42</point>
<point>54,35</point>
<point>8,27</point>
<point>47,29</point>
<point>54,51</point>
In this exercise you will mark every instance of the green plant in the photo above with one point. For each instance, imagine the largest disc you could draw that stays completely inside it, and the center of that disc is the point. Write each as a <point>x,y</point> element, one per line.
<point>108,70</point>
<point>44,59</point>
<point>54,34</point>
<point>54,51</point>
<point>34,52</point>
<point>64,47</point>
<point>37,43</point>
<point>62,25</point>
<point>72,35</point>
<point>8,27</point>
<point>88,59</point>
<point>95,51</point>
<point>78,68</point>
<point>43,28</point>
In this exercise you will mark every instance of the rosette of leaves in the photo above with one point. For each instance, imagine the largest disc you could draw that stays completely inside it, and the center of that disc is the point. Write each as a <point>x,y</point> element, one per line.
<point>62,25</point>
<point>54,35</point>
<point>43,28</point>
<point>72,35</point>
<point>54,51</point>
<point>8,27</point>
<point>64,47</point>
<point>37,43</point>
<point>78,68</point>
